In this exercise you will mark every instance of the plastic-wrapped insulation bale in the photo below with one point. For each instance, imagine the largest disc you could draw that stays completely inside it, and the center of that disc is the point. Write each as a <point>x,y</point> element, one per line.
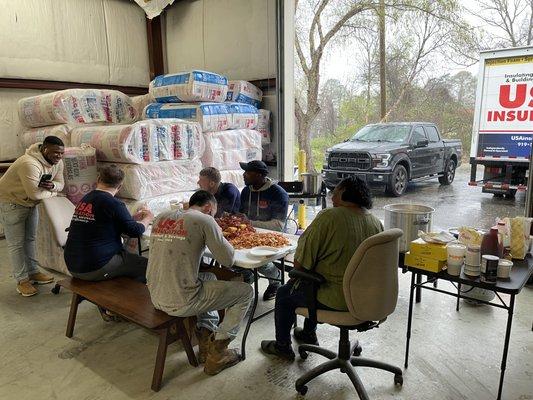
<point>143,141</point>
<point>263,126</point>
<point>80,172</point>
<point>225,150</point>
<point>76,106</point>
<point>244,92</point>
<point>155,179</point>
<point>189,86</point>
<point>233,176</point>
<point>140,102</point>
<point>158,204</point>
<point>243,116</point>
<point>37,135</point>
<point>212,117</point>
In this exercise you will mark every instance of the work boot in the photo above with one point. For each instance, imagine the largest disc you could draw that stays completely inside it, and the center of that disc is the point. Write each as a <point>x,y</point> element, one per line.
<point>26,289</point>
<point>219,357</point>
<point>41,279</point>
<point>304,336</point>
<point>203,336</point>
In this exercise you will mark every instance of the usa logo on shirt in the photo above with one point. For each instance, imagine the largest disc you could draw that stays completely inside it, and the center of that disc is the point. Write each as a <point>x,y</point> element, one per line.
<point>263,204</point>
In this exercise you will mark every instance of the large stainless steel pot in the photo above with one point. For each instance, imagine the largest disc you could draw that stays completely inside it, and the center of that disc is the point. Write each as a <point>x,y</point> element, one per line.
<point>410,218</point>
<point>312,182</point>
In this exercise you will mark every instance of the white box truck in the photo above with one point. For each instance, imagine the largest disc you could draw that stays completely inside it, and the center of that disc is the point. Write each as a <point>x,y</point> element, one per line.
<point>503,121</point>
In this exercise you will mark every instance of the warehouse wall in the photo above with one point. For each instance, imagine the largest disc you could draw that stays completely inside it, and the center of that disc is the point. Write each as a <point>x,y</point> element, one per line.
<point>236,38</point>
<point>90,41</point>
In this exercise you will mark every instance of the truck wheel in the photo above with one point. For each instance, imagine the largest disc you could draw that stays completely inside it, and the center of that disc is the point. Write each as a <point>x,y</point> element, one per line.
<point>449,174</point>
<point>398,181</point>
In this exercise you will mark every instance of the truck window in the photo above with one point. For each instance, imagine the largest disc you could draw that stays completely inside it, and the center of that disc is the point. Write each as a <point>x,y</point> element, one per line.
<point>433,134</point>
<point>418,135</point>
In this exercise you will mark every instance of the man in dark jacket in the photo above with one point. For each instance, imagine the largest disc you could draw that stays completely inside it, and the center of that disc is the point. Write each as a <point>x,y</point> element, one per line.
<point>94,249</point>
<point>227,194</point>
<point>266,205</point>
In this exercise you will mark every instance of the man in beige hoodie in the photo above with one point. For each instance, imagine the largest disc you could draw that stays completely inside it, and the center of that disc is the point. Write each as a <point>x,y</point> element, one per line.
<point>36,175</point>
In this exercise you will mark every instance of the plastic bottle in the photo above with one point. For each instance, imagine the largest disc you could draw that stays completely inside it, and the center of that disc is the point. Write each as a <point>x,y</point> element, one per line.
<point>492,244</point>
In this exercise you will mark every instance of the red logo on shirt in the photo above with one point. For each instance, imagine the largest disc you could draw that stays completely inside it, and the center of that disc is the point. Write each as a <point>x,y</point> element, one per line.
<point>263,204</point>
<point>170,227</point>
<point>83,212</point>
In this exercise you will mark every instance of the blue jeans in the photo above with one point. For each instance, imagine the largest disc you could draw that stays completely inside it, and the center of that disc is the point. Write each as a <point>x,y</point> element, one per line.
<point>268,270</point>
<point>288,299</point>
<point>20,229</point>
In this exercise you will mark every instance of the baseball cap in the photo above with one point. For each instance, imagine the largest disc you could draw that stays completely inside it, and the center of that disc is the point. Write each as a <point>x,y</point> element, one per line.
<point>255,166</point>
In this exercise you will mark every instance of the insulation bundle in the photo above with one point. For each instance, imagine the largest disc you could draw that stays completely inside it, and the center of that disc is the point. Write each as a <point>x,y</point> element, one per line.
<point>244,92</point>
<point>234,176</point>
<point>212,117</point>
<point>155,179</point>
<point>37,135</point>
<point>143,141</point>
<point>225,150</point>
<point>243,116</point>
<point>263,126</point>
<point>80,172</point>
<point>189,86</point>
<point>140,102</point>
<point>76,106</point>
<point>158,204</point>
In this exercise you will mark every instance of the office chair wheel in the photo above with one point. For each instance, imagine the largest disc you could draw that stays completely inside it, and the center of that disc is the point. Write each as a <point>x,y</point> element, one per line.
<point>302,389</point>
<point>357,351</point>
<point>398,380</point>
<point>303,354</point>
<point>55,289</point>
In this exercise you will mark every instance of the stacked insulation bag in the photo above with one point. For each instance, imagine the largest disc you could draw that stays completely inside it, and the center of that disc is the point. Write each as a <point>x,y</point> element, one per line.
<point>198,96</point>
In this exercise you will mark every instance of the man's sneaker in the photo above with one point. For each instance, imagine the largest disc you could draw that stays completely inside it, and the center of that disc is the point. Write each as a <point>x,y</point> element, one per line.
<point>26,289</point>
<point>41,279</point>
<point>271,291</point>
<point>271,347</point>
<point>305,337</point>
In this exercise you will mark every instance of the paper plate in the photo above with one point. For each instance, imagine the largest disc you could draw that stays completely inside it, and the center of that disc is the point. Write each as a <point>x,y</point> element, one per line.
<point>263,251</point>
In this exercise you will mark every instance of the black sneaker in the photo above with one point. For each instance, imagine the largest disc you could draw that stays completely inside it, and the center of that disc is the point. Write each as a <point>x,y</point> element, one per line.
<point>305,337</point>
<point>271,347</point>
<point>271,290</point>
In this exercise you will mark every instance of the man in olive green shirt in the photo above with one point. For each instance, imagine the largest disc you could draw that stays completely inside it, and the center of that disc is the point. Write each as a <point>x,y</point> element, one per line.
<point>326,247</point>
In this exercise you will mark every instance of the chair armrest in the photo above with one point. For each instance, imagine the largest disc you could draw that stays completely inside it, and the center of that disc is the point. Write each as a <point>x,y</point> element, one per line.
<point>309,276</point>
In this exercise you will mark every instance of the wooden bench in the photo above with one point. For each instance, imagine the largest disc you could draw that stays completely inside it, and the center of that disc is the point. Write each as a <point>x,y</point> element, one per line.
<point>131,300</point>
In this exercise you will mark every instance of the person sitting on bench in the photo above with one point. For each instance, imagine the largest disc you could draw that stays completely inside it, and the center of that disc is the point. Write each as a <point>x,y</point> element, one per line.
<point>94,250</point>
<point>176,286</point>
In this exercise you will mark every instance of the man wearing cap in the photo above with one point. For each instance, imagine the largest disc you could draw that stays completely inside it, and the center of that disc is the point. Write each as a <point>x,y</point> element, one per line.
<point>265,204</point>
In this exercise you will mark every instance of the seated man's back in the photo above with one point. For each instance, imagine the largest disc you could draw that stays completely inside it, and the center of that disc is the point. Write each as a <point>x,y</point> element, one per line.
<point>329,244</point>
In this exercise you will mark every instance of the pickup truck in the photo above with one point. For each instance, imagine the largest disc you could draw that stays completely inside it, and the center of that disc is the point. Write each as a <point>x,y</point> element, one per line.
<point>393,154</point>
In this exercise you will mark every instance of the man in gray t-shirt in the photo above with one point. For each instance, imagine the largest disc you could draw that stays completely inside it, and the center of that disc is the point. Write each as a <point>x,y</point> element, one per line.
<point>177,243</point>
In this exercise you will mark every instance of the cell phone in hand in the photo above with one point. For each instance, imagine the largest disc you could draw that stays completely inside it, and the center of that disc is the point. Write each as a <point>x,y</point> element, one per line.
<point>45,178</point>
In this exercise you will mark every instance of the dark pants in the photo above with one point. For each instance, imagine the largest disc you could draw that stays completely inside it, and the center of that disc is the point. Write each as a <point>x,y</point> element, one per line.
<point>122,264</point>
<point>288,299</point>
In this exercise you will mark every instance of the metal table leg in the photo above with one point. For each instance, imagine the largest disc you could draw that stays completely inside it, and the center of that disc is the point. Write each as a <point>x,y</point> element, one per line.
<point>252,313</point>
<point>458,294</point>
<point>409,318</point>
<point>418,289</point>
<point>506,345</point>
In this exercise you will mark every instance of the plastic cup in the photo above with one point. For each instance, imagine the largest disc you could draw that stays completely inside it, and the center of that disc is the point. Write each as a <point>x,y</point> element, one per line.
<point>456,255</point>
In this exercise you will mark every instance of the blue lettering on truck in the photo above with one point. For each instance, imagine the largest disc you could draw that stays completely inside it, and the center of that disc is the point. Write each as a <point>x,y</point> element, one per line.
<point>514,145</point>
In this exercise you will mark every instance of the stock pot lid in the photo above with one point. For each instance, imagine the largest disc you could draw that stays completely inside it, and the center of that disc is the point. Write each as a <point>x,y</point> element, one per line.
<point>406,208</point>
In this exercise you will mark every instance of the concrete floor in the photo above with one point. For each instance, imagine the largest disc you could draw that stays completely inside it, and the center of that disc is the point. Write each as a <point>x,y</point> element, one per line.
<point>454,355</point>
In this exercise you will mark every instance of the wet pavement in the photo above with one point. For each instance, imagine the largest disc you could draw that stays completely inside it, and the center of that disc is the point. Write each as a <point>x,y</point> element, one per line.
<point>457,204</point>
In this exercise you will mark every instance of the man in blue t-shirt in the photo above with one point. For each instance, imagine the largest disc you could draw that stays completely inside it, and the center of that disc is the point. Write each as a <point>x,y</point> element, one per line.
<point>94,250</point>
<point>265,204</point>
<point>227,195</point>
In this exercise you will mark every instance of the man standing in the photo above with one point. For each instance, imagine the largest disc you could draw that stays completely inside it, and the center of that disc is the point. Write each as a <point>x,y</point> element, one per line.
<point>265,204</point>
<point>227,195</point>
<point>94,250</point>
<point>177,244</point>
<point>36,175</point>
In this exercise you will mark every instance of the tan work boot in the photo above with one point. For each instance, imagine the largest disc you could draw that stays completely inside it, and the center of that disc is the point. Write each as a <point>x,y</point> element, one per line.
<point>219,357</point>
<point>26,289</point>
<point>41,279</point>
<point>203,336</point>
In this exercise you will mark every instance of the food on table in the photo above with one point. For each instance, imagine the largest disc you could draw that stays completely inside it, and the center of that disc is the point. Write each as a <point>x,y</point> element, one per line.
<point>251,240</point>
<point>234,225</point>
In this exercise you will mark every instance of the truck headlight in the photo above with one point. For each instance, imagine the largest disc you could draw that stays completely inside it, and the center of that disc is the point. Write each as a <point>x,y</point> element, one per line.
<point>326,156</point>
<point>381,160</point>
